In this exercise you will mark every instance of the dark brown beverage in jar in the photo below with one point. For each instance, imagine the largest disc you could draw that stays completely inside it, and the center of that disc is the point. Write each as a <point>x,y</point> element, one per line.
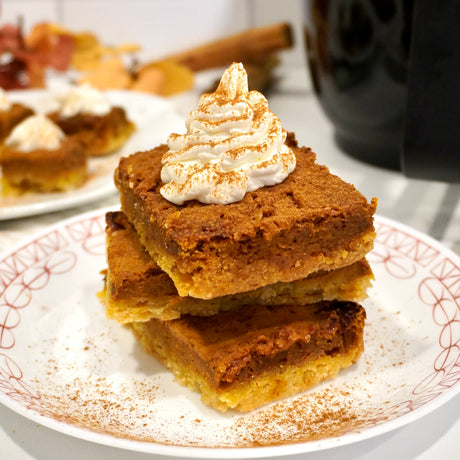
<point>358,57</point>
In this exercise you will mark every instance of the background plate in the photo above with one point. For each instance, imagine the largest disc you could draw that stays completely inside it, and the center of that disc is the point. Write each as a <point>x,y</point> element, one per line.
<point>155,119</point>
<point>68,367</point>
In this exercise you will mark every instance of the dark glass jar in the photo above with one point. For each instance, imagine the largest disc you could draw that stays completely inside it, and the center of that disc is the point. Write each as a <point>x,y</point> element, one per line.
<point>358,53</point>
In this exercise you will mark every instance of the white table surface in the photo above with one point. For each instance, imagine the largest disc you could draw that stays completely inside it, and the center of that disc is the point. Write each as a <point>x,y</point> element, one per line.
<point>430,207</point>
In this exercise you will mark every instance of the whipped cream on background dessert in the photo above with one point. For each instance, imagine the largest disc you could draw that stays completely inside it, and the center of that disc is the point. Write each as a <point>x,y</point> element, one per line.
<point>84,99</point>
<point>34,133</point>
<point>5,103</point>
<point>234,144</point>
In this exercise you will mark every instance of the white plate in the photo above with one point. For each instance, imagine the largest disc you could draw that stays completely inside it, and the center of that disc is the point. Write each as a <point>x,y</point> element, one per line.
<point>155,119</point>
<point>65,365</point>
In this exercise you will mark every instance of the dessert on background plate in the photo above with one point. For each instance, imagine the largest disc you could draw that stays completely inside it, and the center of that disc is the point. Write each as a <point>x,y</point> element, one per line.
<point>239,223</point>
<point>38,157</point>
<point>11,114</point>
<point>87,112</point>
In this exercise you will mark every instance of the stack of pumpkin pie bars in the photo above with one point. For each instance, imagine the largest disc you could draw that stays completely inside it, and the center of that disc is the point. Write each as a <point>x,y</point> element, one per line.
<point>250,300</point>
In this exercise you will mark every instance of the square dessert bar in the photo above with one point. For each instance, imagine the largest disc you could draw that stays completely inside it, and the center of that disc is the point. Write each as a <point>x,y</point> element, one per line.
<point>65,168</point>
<point>249,357</point>
<point>136,289</point>
<point>311,221</point>
<point>102,134</point>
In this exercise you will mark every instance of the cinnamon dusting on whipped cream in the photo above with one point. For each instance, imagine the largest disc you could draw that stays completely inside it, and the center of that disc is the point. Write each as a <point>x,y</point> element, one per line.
<point>234,144</point>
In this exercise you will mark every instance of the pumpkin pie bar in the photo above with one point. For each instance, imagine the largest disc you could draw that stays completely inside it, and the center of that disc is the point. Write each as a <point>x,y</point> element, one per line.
<point>136,289</point>
<point>311,221</point>
<point>86,112</point>
<point>29,164</point>
<point>246,358</point>
<point>101,134</point>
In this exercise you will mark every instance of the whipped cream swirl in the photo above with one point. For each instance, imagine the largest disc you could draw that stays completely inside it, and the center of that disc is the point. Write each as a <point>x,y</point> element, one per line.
<point>84,99</point>
<point>234,144</point>
<point>34,133</point>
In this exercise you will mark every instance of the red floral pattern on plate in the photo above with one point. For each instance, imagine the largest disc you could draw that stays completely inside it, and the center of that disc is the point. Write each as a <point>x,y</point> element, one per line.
<point>402,253</point>
<point>29,269</point>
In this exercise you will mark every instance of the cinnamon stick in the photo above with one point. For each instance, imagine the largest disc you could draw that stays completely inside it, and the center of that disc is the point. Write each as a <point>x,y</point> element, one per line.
<point>246,46</point>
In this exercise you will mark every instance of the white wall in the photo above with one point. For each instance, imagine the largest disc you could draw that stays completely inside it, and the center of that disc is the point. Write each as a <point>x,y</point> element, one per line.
<point>160,26</point>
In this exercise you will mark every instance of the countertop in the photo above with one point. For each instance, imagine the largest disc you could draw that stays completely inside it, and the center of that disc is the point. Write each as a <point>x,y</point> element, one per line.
<point>429,207</point>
